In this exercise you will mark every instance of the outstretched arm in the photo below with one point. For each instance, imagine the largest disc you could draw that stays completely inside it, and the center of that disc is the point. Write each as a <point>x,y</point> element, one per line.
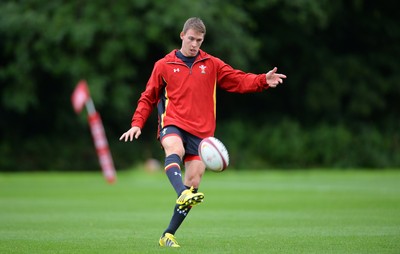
<point>273,78</point>
<point>131,133</point>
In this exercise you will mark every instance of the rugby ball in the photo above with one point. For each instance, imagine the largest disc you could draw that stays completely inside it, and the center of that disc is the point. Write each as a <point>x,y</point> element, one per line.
<point>214,154</point>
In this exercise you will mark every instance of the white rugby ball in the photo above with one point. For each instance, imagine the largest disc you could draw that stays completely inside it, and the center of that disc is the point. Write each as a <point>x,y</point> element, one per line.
<point>214,154</point>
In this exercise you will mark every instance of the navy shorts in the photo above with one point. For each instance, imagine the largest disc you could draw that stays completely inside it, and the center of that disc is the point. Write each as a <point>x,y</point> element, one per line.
<point>190,142</point>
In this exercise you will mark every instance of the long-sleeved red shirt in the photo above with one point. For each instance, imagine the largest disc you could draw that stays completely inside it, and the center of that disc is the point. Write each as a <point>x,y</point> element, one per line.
<point>186,97</point>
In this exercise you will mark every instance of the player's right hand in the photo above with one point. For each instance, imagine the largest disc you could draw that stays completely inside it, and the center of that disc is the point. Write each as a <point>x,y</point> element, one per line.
<point>133,132</point>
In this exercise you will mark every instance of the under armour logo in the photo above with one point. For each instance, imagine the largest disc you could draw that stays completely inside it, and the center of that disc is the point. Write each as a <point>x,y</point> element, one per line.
<point>176,70</point>
<point>203,69</point>
<point>177,174</point>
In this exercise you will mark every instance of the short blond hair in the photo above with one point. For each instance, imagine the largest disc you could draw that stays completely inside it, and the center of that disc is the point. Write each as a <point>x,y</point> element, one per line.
<point>195,24</point>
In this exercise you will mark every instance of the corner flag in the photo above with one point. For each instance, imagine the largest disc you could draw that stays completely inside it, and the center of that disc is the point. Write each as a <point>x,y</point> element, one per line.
<point>79,98</point>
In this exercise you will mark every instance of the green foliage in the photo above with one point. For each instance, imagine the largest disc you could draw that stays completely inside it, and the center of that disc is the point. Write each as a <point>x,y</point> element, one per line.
<point>341,59</point>
<point>287,144</point>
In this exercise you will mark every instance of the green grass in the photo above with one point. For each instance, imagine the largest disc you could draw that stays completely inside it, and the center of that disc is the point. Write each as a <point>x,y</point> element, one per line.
<point>299,211</point>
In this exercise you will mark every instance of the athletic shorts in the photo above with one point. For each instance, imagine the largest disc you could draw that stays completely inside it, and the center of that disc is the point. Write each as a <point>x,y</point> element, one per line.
<point>190,142</point>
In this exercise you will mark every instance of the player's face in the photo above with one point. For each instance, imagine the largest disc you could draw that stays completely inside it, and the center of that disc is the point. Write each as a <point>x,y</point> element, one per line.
<point>191,42</point>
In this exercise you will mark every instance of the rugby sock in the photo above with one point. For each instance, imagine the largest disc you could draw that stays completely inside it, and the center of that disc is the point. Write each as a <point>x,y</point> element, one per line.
<point>173,171</point>
<point>177,218</point>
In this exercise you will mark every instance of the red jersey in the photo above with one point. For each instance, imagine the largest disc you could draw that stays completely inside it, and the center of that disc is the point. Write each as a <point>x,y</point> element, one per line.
<point>186,96</point>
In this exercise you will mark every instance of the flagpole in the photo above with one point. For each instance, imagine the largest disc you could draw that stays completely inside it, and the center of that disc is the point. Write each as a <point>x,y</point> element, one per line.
<point>79,98</point>
<point>90,106</point>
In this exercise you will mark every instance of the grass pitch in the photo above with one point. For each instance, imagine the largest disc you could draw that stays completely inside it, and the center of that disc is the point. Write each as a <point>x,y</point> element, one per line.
<point>318,211</point>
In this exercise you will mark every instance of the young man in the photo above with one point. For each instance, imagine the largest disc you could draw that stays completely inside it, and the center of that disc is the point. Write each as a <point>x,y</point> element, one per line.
<point>183,87</point>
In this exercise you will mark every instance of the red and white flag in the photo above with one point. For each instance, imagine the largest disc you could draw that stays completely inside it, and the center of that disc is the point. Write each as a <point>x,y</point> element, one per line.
<point>80,96</point>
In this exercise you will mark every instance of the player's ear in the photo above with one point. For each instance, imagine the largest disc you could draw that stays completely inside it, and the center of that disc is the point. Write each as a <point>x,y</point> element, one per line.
<point>182,34</point>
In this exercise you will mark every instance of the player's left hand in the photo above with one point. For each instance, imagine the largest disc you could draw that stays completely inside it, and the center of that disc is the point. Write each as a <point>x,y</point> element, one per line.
<point>273,78</point>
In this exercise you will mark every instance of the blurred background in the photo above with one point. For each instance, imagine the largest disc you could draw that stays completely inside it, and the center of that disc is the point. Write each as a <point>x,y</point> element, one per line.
<point>338,108</point>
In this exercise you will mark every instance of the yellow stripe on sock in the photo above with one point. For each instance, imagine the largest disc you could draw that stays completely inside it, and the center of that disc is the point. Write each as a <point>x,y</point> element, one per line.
<point>172,165</point>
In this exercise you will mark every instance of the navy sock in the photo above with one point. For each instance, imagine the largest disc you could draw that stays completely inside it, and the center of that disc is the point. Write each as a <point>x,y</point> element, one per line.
<point>173,171</point>
<point>177,218</point>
